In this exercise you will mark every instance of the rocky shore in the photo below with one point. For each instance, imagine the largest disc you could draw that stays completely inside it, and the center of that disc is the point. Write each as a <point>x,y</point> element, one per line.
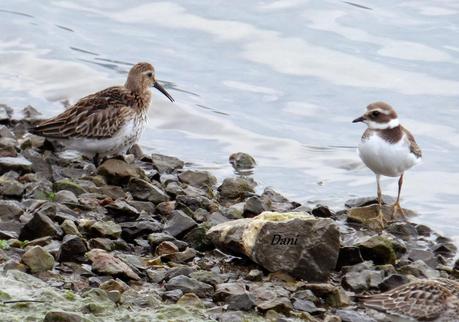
<point>149,238</point>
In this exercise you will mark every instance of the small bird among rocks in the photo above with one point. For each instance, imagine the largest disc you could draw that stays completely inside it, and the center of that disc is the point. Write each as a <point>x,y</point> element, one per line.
<point>106,123</point>
<point>422,300</point>
<point>387,148</point>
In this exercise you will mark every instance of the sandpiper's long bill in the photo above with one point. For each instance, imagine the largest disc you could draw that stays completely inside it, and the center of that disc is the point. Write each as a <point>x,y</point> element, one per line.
<point>387,148</point>
<point>109,122</point>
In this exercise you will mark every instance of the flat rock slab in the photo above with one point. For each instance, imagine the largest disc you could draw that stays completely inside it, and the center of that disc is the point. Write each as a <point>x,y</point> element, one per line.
<point>296,243</point>
<point>105,263</point>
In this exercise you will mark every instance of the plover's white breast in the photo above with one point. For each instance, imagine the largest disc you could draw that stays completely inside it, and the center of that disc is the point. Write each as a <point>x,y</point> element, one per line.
<point>385,158</point>
<point>119,143</point>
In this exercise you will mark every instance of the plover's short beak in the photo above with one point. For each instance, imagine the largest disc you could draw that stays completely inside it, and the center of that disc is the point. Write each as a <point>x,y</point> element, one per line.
<point>359,119</point>
<point>162,90</point>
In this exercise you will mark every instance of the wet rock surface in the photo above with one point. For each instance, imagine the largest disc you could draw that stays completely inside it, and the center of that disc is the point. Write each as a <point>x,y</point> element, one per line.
<point>149,238</point>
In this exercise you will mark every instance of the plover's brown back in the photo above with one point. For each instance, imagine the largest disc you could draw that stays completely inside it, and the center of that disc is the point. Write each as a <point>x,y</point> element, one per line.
<point>423,300</point>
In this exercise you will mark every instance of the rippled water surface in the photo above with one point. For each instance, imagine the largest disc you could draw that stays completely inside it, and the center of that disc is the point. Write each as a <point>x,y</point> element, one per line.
<point>281,80</point>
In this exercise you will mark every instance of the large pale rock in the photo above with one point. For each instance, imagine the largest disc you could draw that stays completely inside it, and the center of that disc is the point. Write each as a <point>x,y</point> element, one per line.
<point>296,243</point>
<point>119,172</point>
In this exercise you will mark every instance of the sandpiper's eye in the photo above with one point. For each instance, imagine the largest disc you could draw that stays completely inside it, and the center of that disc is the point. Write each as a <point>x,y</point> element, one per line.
<point>150,75</point>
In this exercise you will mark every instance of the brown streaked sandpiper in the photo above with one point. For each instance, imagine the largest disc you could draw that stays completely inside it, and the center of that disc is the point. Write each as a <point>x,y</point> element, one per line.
<point>106,123</point>
<point>422,300</point>
<point>387,148</point>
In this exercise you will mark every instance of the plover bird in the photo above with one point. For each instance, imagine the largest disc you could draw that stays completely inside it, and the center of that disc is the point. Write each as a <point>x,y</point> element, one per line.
<point>387,148</point>
<point>106,123</point>
<point>422,300</point>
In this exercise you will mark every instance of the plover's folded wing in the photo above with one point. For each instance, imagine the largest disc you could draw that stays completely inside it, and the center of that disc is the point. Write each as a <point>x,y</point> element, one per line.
<point>414,147</point>
<point>97,116</point>
<point>423,300</point>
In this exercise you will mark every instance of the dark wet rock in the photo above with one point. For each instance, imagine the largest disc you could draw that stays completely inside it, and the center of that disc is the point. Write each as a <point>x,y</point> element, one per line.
<point>180,270</point>
<point>166,248</point>
<point>136,229</point>
<point>192,203</point>
<point>353,316</point>
<point>234,295</point>
<point>392,281</point>
<point>106,229</point>
<point>11,187</point>
<point>105,263</point>
<point>72,249</point>
<point>121,211</point>
<point>254,206</point>
<point>173,295</point>
<point>447,249</point>
<point>198,239</point>
<point>69,185</point>
<point>367,201</point>
<point>59,316</point>
<point>242,162</point>
<point>419,269</point>
<point>423,230</point>
<point>334,296</point>
<point>234,190</point>
<point>403,230</point>
<point>199,179</point>
<point>38,259</point>
<point>178,223</point>
<point>65,196</point>
<point>10,209</point>
<point>40,226</point>
<point>378,249</point>
<point>189,285</point>
<point>164,163</point>
<point>148,208</point>
<point>426,256</point>
<point>18,164</point>
<point>143,190</point>
<point>348,256</point>
<point>118,172</point>
<point>312,257</point>
<point>322,212</point>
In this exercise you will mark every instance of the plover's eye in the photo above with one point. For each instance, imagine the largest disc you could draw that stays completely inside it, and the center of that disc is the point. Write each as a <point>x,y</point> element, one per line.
<point>150,75</point>
<point>375,113</point>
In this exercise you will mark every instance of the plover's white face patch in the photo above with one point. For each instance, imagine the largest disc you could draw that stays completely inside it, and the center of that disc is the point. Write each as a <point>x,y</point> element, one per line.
<point>382,126</point>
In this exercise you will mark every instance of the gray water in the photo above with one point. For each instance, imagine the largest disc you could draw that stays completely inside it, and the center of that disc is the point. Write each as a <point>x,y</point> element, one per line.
<point>280,80</point>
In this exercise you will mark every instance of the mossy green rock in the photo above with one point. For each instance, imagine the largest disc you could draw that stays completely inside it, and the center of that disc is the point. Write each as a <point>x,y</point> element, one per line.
<point>378,249</point>
<point>66,184</point>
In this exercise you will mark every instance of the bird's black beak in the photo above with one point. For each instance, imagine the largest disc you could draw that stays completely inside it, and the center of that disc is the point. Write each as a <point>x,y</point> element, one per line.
<point>162,90</point>
<point>359,119</point>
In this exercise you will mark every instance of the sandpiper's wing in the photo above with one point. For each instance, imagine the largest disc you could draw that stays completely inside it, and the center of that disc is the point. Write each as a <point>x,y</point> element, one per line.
<point>414,147</point>
<point>97,116</point>
<point>423,300</point>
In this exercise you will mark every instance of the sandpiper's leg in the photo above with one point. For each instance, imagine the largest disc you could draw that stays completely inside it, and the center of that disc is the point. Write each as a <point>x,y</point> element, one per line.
<point>397,207</point>
<point>380,217</point>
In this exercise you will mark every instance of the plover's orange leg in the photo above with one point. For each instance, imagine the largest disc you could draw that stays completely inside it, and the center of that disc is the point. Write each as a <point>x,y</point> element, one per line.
<point>396,207</point>
<point>380,218</point>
